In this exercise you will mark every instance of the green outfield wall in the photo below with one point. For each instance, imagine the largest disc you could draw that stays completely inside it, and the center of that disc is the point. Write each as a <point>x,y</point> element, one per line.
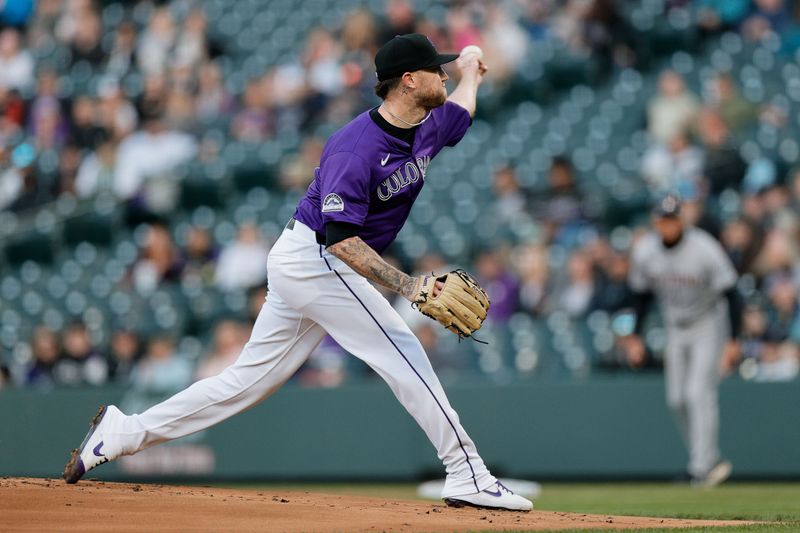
<point>609,428</point>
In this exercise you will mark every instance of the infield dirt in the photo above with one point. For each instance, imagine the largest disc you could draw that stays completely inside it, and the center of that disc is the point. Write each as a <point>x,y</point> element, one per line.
<point>34,504</point>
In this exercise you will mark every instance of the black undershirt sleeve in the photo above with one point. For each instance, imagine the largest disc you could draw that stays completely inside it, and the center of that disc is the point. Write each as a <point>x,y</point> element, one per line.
<point>734,311</point>
<point>339,231</point>
<point>641,304</point>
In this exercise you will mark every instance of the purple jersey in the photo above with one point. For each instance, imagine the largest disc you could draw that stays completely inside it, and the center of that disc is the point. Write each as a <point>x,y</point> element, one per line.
<point>370,178</point>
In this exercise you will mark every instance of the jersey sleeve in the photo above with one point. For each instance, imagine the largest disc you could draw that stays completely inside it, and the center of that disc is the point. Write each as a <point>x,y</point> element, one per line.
<point>638,280</point>
<point>344,188</point>
<point>721,269</point>
<point>452,122</point>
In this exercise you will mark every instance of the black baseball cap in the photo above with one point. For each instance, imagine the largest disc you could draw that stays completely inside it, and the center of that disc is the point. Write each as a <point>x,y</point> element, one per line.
<point>668,206</point>
<point>407,53</point>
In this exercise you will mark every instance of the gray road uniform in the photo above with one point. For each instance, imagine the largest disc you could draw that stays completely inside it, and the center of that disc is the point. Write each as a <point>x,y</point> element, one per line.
<point>689,280</point>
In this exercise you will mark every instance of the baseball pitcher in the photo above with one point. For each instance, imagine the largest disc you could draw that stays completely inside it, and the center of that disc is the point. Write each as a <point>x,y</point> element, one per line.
<point>369,175</point>
<point>690,275</point>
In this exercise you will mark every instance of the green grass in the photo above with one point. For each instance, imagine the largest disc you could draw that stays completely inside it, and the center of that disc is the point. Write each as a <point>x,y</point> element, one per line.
<point>776,503</point>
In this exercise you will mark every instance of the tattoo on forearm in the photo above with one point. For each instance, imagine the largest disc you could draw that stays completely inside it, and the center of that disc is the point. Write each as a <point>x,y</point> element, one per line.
<point>366,261</point>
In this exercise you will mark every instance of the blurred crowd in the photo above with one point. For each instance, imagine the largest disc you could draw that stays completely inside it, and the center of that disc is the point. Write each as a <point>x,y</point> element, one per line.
<point>90,108</point>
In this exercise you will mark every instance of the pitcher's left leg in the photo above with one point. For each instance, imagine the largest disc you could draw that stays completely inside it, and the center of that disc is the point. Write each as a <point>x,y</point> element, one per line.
<point>363,322</point>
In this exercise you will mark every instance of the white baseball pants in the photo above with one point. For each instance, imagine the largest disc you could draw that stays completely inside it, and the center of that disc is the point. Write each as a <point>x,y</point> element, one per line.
<point>691,366</point>
<point>310,293</point>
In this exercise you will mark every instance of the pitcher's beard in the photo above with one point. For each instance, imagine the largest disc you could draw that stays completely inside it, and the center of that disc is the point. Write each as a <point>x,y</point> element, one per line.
<point>432,99</point>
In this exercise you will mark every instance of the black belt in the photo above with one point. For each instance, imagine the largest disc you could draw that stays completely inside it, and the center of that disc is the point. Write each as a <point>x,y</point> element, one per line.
<point>320,237</point>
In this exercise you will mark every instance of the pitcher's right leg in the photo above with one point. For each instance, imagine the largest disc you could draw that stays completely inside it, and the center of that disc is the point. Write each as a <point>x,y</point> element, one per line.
<point>281,341</point>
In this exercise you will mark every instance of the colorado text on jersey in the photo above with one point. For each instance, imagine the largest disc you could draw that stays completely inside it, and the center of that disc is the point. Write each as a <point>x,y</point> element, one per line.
<point>402,177</point>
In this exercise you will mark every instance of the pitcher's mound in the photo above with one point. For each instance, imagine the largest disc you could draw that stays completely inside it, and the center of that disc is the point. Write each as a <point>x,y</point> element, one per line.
<point>32,504</point>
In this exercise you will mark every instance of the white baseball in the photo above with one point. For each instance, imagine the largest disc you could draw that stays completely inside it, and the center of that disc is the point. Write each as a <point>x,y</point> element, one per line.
<point>471,49</point>
<point>469,53</point>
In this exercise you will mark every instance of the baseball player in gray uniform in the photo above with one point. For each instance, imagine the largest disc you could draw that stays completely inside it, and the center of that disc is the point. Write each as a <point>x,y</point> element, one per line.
<point>694,281</point>
<point>319,270</point>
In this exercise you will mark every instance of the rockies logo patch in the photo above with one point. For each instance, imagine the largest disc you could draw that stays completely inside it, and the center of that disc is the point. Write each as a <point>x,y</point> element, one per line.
<point>332,202</point>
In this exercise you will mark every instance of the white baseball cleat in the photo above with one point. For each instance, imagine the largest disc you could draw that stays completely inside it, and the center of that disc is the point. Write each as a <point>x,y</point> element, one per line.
<point>718,474</point>
<point>94,450</point>
<point>495,497</point>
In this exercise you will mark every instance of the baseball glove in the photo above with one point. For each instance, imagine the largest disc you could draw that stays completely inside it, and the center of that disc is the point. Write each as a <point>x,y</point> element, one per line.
<point>460,306</point>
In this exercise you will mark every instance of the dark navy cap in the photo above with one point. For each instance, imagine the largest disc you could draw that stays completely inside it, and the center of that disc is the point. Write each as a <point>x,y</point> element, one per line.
<point>668,206</point>
<point>407,53</point>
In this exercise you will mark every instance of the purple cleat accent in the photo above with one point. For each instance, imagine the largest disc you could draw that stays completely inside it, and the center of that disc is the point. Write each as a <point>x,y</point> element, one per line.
<point>75,469</point>
<point>96,450</point>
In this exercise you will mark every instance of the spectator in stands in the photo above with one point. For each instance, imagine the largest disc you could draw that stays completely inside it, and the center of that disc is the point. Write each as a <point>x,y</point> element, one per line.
<point>85,45</point>
<point>200,254</point>
<point>229,339</point>
<point>399,20</point>
<point>778,256</point>
<point>769,16</point>
<point>693,210</point>
<point>671,113</point>
<point>12,178</point>
<point>721,15</point>
<point>242,263</point>
<point>191,48</point>
<point>253,122</point>
<point>561,208</point>
<point>326,366</point>
<point>159,261</point>
<point>505,43</point>
<point>68,164</point>
<point>532,264</point>
<point>16,63</point>
<point>27,189</point>
<point>741,240</point>
<point>68,17</point>
<point>46,350</point>
<point>297,171</point>
<point>461,28</point>
<point>567,25</point>
<point>179,108</point>
<point>124,353</point>
<point>85,131</point>
<point>499,282</point>
<point>324,79</point>
<point>161,370</point>
<point>81,364</point>
<point>12,113</point>
<point>121,58</point>
<point>723,96</point>
<point>766,354</point>
<point>96,171</point>
<point>673,166</point>
<point>575,296</point>
<point>753,337</point>
<point>212,100</point>
<point>152,102</point>
<point>607,34</point>
<point>156,43</point>
<point>783,311</point>
<point>46,121</point>
<point>723,166</point>
<point>510,201</point>
<point>537,18</point>
<point>611,292</point>
<point>144,162</point>
<point>116,114</point>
